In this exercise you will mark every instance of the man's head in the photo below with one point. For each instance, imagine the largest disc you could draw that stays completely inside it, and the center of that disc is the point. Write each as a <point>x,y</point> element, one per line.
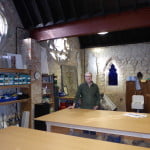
<point>88,77</point>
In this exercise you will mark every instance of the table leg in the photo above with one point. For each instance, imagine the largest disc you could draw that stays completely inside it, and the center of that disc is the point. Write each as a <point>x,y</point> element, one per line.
<point>71,130</point>
<point>48,126</point>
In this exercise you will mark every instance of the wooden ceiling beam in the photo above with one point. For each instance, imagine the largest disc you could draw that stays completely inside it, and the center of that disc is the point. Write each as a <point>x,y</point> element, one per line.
<point>115,22</point>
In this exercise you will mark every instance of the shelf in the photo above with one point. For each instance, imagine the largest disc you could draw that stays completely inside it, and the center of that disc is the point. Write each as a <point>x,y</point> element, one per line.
<point>49,102</point>
<point>15,86</point>
<point>48,94</point>
<point>26,71</point>
<point>48,83</point>
<point>66,98</point>
<point>15,101</point>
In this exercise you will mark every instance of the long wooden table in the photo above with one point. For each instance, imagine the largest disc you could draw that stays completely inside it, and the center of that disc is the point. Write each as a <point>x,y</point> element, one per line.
<point>112,122</point>
<point>17,138</point>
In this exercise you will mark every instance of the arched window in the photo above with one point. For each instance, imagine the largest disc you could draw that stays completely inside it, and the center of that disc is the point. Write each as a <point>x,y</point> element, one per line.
<point>3,25</point>
<point>112,76</point>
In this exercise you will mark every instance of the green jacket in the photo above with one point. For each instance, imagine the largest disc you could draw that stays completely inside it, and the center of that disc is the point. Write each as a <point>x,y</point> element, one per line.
<point>87,97</point>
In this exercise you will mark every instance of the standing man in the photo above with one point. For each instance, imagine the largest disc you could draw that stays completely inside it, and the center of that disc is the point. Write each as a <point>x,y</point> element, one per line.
<point>88,93</point>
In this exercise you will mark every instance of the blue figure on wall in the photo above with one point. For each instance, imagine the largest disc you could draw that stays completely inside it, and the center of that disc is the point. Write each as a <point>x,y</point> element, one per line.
<point>113,76</point>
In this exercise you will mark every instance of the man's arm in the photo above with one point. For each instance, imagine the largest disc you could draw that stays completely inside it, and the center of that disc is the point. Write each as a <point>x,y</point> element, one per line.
<point>97,99</point>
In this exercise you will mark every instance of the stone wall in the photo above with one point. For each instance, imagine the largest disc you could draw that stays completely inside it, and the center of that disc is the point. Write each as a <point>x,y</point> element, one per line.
<point>128,60</point>
<point>13,21</point>
<point>73,60</point>
<point>31,52</point>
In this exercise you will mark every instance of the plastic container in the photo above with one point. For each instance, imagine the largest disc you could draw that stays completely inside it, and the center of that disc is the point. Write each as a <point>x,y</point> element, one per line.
<point>28,79</point>
<point>116,139</point>
<point>16,80</point>
<point>2,79</point>
<point>6,80</point>
<point>11,79</point>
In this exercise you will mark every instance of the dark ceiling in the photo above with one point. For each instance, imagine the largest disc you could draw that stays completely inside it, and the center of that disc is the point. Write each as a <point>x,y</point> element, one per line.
<point>115,38</point>
<point>39,13</point>
<point>43,13</point>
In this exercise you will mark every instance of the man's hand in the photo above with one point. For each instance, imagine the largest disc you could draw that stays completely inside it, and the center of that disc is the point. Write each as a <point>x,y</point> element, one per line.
<point>95,107</point>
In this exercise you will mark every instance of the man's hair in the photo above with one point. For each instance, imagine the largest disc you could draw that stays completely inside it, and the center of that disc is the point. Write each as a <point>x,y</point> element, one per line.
<point>88,73</point>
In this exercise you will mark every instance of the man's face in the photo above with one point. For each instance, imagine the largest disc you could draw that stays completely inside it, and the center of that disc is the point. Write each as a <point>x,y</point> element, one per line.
<point>88,78</point>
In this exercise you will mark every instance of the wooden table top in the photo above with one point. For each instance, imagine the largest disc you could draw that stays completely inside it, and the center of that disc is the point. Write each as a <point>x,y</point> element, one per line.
<point>17,138</point>
<point>114,120</point>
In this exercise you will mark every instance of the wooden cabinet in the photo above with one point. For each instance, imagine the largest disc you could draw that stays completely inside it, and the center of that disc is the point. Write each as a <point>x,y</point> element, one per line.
<point>23,84</point>
<point>131,90</point>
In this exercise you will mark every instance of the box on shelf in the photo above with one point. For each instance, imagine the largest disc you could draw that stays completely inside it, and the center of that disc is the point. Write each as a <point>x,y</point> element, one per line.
<point>14,79</point>
<point>2,79</point>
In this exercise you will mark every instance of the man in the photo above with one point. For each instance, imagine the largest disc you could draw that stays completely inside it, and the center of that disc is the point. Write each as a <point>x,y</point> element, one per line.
<point>88,94</point>
<point>89,97</point>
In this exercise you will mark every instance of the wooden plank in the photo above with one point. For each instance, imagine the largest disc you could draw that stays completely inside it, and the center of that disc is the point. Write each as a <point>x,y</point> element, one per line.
<point>114,22</point>
<point>15,101</point>
<point>66,98</point>
<point>14,86</point>
<point>15,70</point>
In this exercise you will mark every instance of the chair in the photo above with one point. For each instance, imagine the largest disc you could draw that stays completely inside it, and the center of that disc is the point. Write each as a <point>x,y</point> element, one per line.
<point>137,102</point>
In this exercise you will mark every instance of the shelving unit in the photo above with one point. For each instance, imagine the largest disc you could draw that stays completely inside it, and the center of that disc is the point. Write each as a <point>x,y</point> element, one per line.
<point>25,89</point>
<point>65,101</point>
<point>48,90</point>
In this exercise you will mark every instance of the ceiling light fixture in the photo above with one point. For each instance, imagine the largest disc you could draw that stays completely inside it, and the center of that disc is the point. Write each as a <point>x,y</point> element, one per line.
<point>102,33</point>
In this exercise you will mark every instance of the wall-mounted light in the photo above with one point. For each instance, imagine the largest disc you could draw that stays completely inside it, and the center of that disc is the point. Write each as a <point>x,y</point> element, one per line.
<point>102,33</point>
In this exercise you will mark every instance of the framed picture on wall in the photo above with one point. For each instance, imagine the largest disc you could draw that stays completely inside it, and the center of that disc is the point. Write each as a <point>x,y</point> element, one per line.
<point>69,79</point>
